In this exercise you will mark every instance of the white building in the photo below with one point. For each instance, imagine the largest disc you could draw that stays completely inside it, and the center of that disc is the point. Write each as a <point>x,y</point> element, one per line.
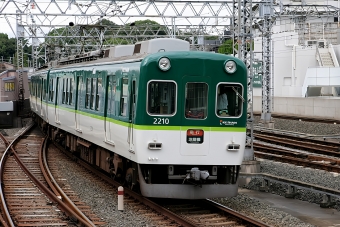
<point>306,54</point>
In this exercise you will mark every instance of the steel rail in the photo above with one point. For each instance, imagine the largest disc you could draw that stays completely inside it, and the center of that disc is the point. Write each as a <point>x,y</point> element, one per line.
<point>299,135</point>
<point>297,154</point>
<point>48,192</point>
<point>9,149</point>
<point>312,149</point>
<point>299,184</point>
<point>307,145</point>
<point>303,118</point>
<point>55,187</point>
<point>229,211</point>
<point>39,184</point>
<point>6,220</point>
<point>165,212</point>
<point>292,160</point>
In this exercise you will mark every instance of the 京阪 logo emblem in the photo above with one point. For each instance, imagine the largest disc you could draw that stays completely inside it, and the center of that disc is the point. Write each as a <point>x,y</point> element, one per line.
<point>228,123</point>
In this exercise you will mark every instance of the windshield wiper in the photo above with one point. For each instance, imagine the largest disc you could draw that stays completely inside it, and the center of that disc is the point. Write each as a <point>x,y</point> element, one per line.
<point>238,94</point>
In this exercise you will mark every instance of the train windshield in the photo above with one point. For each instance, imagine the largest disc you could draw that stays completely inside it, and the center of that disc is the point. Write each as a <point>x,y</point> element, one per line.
<point>196,100</point>
<point>161,98</point>
<point>229,100</point>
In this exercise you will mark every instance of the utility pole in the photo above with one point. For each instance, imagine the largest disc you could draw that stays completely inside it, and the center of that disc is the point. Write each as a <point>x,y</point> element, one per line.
<point>243,49</point>
<point>266,12</point>
<point>20,40</point>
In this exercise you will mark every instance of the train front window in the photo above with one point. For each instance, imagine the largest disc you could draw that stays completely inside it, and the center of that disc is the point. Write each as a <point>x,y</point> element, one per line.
<point>196,100</point>
<point>161,98</point>
<point>229,100</point>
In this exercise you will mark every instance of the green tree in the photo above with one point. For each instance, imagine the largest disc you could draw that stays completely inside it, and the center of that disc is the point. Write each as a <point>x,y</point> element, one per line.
<point>7,47</point>
<point>106,22</point>
<point>226,47</point>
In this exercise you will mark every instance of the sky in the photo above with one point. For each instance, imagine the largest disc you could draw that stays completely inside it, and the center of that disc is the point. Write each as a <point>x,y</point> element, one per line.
<point>36,6</point>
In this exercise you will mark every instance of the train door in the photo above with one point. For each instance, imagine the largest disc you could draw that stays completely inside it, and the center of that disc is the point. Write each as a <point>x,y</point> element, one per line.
<point>79,102</point>
<point>56,109</point>
<point>110,108</point>
<point>195,140</point>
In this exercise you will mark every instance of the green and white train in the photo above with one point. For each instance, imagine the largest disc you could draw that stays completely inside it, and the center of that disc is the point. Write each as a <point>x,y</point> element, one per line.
<point>151,115</point>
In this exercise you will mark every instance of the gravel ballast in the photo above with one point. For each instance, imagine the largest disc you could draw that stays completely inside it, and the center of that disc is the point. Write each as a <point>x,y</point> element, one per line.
<point>104,202</point>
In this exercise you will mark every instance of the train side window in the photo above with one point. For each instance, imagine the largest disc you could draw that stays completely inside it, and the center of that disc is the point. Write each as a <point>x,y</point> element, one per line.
<point>88,92</point>
<point>51,90</point>
<point>229,100</point>
<point>93,92</point>
<point>124,97</point>
<point>133,97</point>
<point>44,89</point>
<point>70,91</point>
<point>67,90</point>
<point>111,95</point>
<point>31,87</point>
<point>99,92</point>
<point>36,89</point>
<point>41,89</point>
<point>196,100</point>
<point>161,97</point>
<point>63,91</point>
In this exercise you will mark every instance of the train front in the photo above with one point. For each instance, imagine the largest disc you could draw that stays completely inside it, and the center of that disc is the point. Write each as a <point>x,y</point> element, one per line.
<point>190,124</point>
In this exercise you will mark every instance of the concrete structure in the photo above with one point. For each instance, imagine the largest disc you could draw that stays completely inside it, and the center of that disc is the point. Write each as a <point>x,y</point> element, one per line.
<point>305,54</point>
<point>324,107</point>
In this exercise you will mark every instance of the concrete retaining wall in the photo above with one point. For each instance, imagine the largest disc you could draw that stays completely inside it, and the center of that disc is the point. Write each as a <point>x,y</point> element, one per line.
<point>324,107</point>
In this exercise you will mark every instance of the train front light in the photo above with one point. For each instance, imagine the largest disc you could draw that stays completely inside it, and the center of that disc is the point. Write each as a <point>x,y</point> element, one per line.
<point>164,64</point>
<point>230,66</point>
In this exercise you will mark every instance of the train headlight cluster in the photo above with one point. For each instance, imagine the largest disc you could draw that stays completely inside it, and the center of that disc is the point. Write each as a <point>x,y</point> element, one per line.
<point>230,66</point>
<point>164,64</point>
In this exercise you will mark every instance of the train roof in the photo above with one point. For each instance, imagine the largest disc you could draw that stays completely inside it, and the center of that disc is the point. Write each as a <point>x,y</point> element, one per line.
<point>119,53</point>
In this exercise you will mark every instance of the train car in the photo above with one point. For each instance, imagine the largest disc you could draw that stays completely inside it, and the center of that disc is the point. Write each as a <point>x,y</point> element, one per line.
<point>157,117</point>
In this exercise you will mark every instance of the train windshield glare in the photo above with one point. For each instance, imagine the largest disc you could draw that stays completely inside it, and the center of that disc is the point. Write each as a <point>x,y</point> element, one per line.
<point>196,100</point>
<point>229,100</point>
<point>161,98</point>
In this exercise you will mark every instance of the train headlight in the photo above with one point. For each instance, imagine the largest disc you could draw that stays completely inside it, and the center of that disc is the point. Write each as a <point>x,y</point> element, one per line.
<point>164,64</point>
<point>230,66</point>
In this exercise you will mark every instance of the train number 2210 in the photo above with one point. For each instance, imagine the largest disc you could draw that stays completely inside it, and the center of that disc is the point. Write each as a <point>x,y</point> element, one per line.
<point>161,121</point>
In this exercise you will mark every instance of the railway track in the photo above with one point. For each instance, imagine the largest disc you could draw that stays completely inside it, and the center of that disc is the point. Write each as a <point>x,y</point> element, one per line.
<point>192,213</point>
<point>306,144</point>
<point>301,117</point>
<point>64,190</point>
<point>297,150</point>
<point>24,203</point>
<point>31,196</point>
<point>209,213</point>
<point>26,199</point>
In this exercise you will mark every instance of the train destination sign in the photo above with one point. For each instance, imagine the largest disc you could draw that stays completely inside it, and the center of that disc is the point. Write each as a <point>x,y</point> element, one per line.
<point>195,136</point>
